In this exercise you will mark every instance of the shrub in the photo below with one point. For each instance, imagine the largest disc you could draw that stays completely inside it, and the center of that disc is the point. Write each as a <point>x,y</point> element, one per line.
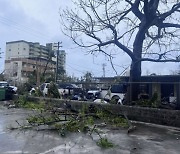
<point>104,143</point>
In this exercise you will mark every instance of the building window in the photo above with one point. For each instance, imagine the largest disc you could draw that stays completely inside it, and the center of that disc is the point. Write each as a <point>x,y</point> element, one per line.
<point>24,48</point>
<point>14,74</point>
<point>9,49</point>
<point>15,63</point>
<point>24,64</point>
<point>24,74</point>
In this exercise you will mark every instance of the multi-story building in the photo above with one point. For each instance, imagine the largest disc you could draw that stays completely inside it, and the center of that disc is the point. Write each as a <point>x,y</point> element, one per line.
<point>25,59</point>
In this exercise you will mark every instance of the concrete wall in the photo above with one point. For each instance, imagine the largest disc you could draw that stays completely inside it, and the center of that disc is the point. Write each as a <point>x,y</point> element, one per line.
<point>19,49</point>
<point>150,115</point>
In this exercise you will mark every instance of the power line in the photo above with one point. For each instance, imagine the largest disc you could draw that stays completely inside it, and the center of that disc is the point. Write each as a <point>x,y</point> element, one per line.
<point>23,28</point>
<point>83,67</point>
<point>75,69</point>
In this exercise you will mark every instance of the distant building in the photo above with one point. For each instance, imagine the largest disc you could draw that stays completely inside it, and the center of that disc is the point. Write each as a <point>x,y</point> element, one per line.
<point>25,59</point>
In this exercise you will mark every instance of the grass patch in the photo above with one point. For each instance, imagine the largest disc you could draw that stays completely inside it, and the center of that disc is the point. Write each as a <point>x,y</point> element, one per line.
<point>114,120</point>
<point>32,105</point>
<point>24,103</point>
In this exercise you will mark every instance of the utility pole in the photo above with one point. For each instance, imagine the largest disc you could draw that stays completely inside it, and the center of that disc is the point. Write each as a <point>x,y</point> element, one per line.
<point>103,67</point>
<point>0,53</point>
<point>37,71</point>
<point>57,60</point>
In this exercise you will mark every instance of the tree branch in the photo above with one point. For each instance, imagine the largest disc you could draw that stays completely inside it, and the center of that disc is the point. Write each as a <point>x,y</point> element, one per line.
<point>163,16</point>
<point>159,61</point>
<point>135,8</point>
<point>167,25</point>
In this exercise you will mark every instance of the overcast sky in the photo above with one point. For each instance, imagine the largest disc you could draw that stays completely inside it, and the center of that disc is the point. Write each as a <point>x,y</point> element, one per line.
<point>38,21</point>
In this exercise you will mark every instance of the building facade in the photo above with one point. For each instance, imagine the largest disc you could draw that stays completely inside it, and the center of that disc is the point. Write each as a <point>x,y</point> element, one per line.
<point>25,60</point>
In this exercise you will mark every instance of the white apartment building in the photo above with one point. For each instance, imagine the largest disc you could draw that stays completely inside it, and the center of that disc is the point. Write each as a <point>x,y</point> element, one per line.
<point>24,58</point>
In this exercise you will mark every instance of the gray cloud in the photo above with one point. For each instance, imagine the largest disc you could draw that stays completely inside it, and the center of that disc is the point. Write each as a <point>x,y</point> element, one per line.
<point>38,21</point>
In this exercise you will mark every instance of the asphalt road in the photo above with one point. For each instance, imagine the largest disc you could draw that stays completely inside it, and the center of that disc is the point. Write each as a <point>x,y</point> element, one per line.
<point>146,139</point>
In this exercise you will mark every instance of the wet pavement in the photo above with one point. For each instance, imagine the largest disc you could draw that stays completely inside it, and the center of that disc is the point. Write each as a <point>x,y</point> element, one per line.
<point>146,139</point>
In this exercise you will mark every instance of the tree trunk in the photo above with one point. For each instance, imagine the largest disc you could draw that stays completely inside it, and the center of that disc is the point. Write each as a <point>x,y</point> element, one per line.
<point>135,77</point>
<point>134,82</point>
<point>135,72</point>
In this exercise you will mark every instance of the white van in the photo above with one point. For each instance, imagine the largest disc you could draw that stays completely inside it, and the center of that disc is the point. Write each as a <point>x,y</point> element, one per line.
<point>115,93</point>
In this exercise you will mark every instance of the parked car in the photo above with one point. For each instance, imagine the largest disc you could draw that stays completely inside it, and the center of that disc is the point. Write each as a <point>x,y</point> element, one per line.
<point>93,94</point>
<point>64,89</point>
<point>14,88</point>
<point>115,94</point>
<point>76,97</point>
<point>44,88</point>
<point>3,84</point>
<point>100,101</point>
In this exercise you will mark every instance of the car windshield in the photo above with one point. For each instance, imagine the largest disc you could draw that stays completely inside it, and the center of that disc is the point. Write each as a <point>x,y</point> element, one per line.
<point>66,86</point>
<point>118,88</point>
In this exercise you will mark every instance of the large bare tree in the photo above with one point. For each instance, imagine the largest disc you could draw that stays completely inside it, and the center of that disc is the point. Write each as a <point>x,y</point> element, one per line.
<point>146,30</point>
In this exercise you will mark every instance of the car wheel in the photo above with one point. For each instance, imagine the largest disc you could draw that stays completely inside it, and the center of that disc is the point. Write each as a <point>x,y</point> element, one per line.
<point>114,100</point>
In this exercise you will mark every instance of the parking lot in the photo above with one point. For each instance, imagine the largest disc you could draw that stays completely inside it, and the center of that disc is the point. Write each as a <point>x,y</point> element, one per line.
<point>146,139</point>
